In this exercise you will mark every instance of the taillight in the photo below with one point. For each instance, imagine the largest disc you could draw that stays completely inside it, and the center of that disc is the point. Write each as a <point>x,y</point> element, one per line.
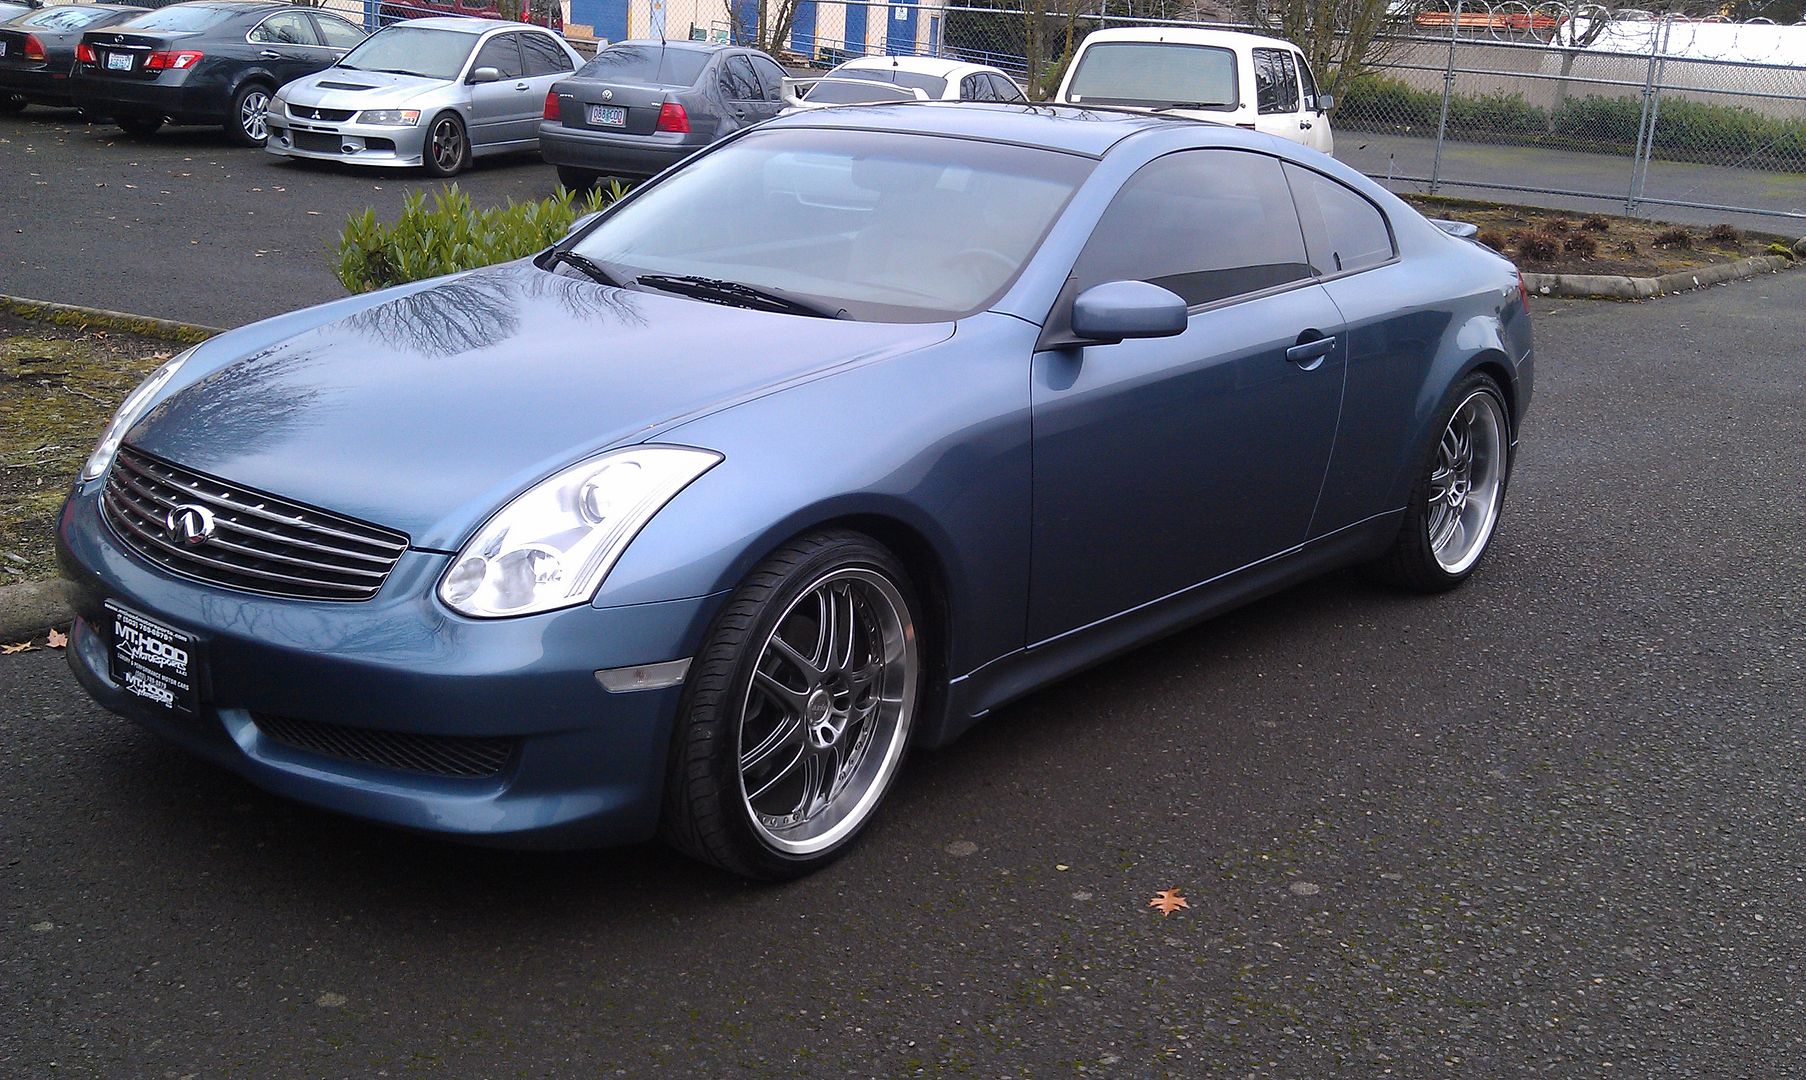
<point>34,49</point>
<point>551,112</point>
<point>85,54</point>
<point>171,61</point>
<point>672,117</point>
<point>1523,291</point>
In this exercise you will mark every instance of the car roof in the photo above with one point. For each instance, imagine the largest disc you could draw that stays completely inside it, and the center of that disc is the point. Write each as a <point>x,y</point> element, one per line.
<point>1185,35</point>
<point>921,65</point>
<point>465,24</point>
<point>1072,128</point>
<point>680,43</point>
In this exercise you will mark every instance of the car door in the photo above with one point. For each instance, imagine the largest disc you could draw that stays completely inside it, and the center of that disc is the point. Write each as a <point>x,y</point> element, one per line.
<point>1316,118</point>
<point>1166,462</point>
<point>504,110</point>
<point>1278,104</point>
<point>286,46</point>
<point>771,84</point>
<point>546,64</point>
<point>741,93</point>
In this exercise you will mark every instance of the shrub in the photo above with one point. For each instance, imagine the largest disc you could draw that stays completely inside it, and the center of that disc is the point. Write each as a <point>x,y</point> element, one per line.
<point>1536,246</point>
<point>1580,244</point>
<point>1778,248</point>
<point>1722,233</point>
<point>1595,223</point>
<point>450,235</point>
<point>1674,238</point>
<point>1492,240</point>
<point>1560,226</point>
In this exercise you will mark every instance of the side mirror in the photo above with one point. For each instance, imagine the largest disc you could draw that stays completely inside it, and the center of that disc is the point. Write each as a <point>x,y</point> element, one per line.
<point>485,75</point>
<point>1325,102</point>
<point>581,223</point>
<point>1117,310</point>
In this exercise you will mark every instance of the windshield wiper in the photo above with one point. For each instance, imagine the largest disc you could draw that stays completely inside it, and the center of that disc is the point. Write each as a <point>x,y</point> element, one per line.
<point>737,294</point>
<point>585,265</point>
<point>1191,105</point>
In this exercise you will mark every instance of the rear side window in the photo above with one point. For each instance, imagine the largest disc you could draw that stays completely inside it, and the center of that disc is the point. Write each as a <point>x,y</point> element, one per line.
<point>738,81</point>
<point>1275,81</point>
<point>542,55</point>
<point>182,17</point>
<point>771,77</point>
<point>502,53</point>
<point>288,28</point>
<point>648,65</point>
<point>1207,224</point>
<point>1155,73</point>
<point>1343,231</point>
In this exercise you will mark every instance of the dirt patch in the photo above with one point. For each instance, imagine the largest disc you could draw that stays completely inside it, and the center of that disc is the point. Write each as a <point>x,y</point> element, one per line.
<point>1565,242</point>
<point>58,386</point>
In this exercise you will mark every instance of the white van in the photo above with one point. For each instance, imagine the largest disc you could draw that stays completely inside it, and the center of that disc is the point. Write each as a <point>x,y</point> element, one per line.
<point>1247,80</point>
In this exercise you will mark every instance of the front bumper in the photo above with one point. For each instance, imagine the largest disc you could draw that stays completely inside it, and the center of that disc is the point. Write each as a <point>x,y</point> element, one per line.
<point>359,144</point>
<point>612,154</point>
<point>586,766</point>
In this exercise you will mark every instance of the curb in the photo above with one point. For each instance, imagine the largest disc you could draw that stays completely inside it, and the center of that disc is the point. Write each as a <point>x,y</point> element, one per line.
<point>76,315</point>
<point>30,609</point>
<point>1616,287</point>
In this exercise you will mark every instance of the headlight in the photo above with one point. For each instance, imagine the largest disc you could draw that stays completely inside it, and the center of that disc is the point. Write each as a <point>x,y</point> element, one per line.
<point>389,117</point>
<point>128,413</point>
<point>552,546</point>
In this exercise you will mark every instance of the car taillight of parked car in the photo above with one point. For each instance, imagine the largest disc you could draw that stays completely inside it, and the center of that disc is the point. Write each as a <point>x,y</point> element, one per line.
<point>85,54</point>
<point>1523,290</point>
<point>34,49</point>
<point>672,117</point>
<point>551,112</point>
<point>171,61</point>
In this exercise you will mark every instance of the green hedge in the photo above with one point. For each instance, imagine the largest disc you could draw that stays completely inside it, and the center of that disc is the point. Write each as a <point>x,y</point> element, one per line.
<point>1686,130</point>
<point>450,235</point>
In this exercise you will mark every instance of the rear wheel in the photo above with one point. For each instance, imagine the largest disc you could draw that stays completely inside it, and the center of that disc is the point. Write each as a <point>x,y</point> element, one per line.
<point>798,710</point>
<point>139,125</point>
<point>12,103</point>
<point>577,180</point>
<point>248,121</point>
<point>446,151</point>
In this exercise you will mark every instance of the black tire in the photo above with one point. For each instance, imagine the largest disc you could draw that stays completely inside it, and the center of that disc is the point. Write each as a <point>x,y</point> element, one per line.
<point>1413,562</point>
<point>446,151</point>
<point>577,181</point>
<point>707,813</point>
<point>139,125</point>
<point>247,122</point>
<point>11,103</point>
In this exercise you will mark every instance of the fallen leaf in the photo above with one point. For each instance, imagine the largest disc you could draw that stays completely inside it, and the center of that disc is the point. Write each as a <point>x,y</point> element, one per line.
<point>1168,901</point>
<point>23,646</point>
<point>57,640</point>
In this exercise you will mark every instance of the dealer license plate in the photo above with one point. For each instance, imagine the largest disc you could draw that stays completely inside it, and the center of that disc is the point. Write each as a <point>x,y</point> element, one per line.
<point>119,61</point>
<point>155,663</point>
<point>607,116</point>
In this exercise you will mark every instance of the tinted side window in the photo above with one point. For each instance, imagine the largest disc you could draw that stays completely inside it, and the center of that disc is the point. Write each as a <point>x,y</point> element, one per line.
<point>1344,231</point>
<point>288,28</point>
<point>1275,81</point>
<point>738,81</point>
<point>1207,224</point>
<point>771,77</point>
<point>542,55</point>
<point>1006,90</point>
<point>336,32</point>
<point>501,52</point>
<point>1310,84</point>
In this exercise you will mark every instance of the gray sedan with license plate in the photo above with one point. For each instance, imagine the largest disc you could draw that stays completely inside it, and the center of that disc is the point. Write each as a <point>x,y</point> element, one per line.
<point>434,93</point>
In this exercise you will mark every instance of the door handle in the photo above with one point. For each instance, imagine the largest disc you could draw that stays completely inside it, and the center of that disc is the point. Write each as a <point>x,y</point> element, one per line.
<point>1308,354</point>
<point>1304,125</point>
<point>520,86</point>
<point>270,54</point>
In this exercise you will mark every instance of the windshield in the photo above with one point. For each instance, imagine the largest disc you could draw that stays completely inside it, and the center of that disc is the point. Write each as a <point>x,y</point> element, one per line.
<point>1152,74</point>
<point>65,18</point>
<point>183,18</point>
<point>933,85</point>
<point>892,227</point>
<point>838,91</point>
<point>647,65</point>
<point>412,50</point>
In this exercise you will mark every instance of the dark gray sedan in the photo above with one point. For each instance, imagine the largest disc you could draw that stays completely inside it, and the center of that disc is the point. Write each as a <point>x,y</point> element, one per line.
<point>640,106</point>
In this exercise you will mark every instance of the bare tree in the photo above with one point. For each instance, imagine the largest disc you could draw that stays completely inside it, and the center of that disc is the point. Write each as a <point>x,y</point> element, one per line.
<point>771,24</point>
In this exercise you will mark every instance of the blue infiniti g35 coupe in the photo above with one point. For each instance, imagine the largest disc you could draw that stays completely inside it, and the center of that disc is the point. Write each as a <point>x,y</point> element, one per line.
<point>818,447</point>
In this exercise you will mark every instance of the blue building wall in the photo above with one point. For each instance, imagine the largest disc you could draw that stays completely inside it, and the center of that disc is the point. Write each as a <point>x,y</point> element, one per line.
<point>609,17</point>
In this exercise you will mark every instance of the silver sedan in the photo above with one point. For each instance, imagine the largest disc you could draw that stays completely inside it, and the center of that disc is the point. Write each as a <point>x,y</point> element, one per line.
<point>427,92</point>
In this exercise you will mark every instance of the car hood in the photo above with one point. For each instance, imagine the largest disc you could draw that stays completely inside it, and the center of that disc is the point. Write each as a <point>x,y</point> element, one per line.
<point>337,88</point>
<point>424,412</point>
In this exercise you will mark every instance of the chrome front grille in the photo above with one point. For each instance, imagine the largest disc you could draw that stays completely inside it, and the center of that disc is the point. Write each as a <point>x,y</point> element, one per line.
<point>243,539</point>
<point>461,757</point>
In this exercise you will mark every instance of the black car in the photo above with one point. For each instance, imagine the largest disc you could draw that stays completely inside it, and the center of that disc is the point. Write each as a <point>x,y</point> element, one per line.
<point>640,106</point>
<point>208,62</point>
<point>37,51</point>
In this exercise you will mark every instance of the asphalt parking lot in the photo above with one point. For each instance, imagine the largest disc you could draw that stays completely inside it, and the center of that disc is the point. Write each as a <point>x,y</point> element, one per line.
<point>181,225</point>
<point>1548,824</point>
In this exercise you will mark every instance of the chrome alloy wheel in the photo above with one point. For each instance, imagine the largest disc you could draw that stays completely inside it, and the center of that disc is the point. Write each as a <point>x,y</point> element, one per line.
<point>827,715</point>
<point>446,143</point>
<point>254,115</point>
<point>1467,482</point>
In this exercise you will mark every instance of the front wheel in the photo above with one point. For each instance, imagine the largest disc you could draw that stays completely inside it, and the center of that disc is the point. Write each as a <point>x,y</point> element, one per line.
<point>447,148</point>
<point>12,103</point>
<point>798,711</point>
<point>248,121</point>
<point>1455,503</point>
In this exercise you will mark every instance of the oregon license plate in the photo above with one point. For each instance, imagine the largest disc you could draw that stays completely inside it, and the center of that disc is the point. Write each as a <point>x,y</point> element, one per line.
<point>119,61</point>
<point>155,663</point>
<point>607,116</point>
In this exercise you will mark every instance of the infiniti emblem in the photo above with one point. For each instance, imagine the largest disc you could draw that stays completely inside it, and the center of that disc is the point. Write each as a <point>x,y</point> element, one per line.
<point>192,525</point>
